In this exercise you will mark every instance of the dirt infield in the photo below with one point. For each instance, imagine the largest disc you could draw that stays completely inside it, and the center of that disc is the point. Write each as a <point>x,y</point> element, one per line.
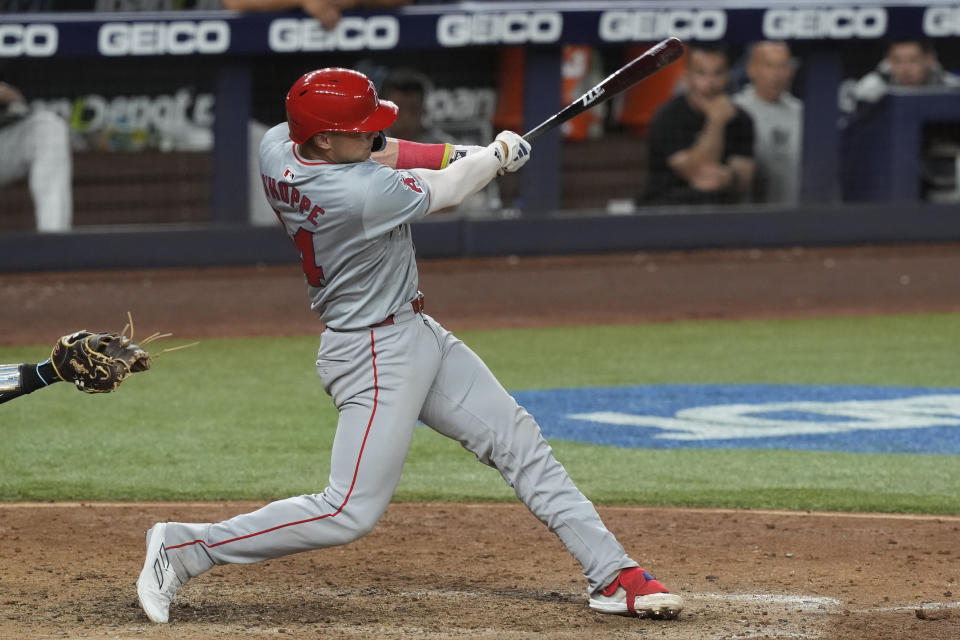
<point>492,571</point>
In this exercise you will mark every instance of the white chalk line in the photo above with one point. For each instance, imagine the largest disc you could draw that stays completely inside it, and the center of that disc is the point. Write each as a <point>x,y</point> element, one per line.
<point>926,606</point>
<point>785,601</point>
<point>799,602</point>
<point>811,608</point>
<point>792,601</point>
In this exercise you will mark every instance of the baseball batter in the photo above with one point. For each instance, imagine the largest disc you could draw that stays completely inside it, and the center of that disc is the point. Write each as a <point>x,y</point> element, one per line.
<point>384,362</point>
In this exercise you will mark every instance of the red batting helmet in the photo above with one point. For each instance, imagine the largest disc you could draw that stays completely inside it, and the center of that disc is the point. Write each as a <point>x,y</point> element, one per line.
<point>335,99</point>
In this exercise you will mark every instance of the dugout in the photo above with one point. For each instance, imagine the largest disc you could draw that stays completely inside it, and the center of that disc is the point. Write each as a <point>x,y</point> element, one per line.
<point>164,107</point>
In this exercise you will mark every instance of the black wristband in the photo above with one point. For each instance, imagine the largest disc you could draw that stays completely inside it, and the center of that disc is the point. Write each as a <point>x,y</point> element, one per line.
<point>33,377</point>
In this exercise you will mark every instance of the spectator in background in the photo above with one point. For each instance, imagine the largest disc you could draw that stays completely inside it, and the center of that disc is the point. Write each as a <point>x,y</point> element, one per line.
<point>908,63</point>
<point>777,121</point>
<point>700,143</point>
<point>327,12</point>
<point>911,65</point>
<point>409,90</point>
<point>36,145</point>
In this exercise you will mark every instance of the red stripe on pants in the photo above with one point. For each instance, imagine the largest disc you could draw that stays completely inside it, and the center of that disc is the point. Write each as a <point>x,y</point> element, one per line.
<point>356,471</point>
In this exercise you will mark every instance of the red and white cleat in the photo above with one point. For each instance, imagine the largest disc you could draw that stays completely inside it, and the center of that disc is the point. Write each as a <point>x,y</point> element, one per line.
<point>634,592</point>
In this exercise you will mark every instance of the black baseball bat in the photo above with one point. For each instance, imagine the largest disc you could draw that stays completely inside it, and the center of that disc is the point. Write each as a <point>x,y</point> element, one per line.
<point>643,66</point>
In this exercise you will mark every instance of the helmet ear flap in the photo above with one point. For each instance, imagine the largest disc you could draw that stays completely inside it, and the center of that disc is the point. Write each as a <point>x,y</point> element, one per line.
<point>379,143</point>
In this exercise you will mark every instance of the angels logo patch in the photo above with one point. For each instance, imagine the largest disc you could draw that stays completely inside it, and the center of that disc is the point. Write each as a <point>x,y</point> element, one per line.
<point>412,183</point>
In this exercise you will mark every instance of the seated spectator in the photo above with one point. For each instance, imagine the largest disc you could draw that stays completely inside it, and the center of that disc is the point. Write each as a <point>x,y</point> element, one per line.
<point>327,12</point>
<point>777,122</point>
<point>911,64</point>
<point>700,143</point>
<point>409,89</point>
<point>36,145</point>
<point>908,63</point>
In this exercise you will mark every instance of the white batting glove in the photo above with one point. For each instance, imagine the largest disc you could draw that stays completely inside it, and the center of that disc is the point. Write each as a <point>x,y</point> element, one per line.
<point>517,151</point>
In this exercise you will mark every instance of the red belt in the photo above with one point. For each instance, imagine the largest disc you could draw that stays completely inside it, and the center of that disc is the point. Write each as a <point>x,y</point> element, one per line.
<point>416,304</point>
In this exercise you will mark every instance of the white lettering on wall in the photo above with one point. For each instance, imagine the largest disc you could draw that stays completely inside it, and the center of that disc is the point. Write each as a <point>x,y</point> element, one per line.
<point>512,27</point>
<point>841,23</point>
<point>33,40</point>
<point>352,33</point>
<point>647,25</point>
<point>182,37</point>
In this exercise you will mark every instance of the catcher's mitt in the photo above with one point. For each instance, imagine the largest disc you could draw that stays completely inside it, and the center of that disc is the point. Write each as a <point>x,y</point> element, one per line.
<point>97,362</point>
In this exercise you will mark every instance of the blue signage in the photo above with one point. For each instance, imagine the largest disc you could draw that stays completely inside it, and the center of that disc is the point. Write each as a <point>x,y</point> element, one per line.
<point>824,418</point>
<point>216,33</point>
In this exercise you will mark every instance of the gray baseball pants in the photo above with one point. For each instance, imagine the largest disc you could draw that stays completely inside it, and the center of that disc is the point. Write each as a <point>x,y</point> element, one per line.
<point>382,380</point>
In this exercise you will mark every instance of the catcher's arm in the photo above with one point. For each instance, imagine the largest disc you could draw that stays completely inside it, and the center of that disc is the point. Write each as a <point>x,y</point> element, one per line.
<point>93,362</point>
<point>98,362</point>
<point>20,379</point>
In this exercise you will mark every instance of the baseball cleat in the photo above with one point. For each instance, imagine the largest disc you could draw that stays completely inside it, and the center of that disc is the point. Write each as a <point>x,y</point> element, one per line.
<point>634,592</point>
<point>158,583</point>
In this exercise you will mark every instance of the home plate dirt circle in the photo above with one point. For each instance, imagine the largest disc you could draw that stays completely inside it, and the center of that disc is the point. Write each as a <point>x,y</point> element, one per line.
<point>491,571</point>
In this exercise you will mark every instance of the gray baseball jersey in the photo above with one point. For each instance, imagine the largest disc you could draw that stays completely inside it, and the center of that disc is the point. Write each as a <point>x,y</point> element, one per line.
<point>350,223</point>
<point>385,364</point>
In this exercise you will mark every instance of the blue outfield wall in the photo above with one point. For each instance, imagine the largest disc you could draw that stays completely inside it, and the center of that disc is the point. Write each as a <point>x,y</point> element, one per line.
<point>225,245</point>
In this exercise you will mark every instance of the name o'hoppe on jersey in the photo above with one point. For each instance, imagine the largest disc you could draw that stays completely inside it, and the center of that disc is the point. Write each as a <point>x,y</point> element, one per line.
<point>280,190</point>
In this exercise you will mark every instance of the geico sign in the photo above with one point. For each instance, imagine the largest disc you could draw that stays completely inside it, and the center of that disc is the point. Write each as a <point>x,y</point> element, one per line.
<point>839,24</point>
<point>941,21</point>
<point>352,33</point>
<point>27,40</point>
<point>512,27</point>
<point>161,38</point>
<point>623,26</point>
